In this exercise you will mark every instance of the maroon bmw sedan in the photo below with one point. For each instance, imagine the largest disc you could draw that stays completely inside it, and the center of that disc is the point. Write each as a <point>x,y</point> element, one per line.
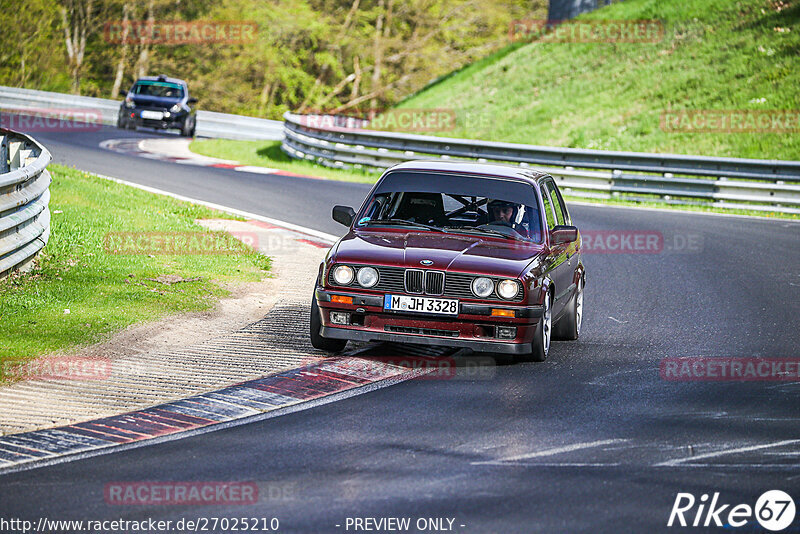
<point>468,255</point>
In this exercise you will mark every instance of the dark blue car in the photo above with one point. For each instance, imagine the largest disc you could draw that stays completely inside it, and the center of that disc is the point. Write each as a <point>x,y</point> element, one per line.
<point>158,102</point>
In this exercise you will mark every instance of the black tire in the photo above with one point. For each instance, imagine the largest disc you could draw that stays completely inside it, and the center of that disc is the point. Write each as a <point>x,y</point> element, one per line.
<point>121,123</point>
<point>540,346</point>
<point>317,341</point>
<point>187,129</point>
<point>568,328</point>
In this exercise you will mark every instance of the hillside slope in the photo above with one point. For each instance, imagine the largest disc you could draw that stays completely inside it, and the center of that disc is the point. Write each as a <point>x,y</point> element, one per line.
<point>715,55</point>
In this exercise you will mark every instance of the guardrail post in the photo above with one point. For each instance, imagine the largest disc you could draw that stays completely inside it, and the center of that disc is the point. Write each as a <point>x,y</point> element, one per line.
<point>3,153</point>
<point>14,155</point>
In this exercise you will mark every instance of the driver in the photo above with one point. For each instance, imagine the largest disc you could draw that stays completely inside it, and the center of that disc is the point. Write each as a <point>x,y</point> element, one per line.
<point>501,211</point>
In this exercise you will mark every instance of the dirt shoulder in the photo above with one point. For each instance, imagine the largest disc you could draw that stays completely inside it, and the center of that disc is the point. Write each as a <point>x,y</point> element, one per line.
<point>244,336</point>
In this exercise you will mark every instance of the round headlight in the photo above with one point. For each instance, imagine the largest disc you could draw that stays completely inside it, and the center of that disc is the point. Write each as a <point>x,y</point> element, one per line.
<point>367,276</point>
<point>508,289</point>
<point>176,108</point>
<point>343,275</point>
<point>482,287</point>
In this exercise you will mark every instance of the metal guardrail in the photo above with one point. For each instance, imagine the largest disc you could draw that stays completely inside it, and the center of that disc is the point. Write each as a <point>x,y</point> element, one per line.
<point>762,185</point>
<point>24,196</point>
<point>209,123</point>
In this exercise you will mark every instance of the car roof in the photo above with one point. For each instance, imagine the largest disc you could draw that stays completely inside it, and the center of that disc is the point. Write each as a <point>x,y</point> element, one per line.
<point>523,174</point>
<point>160,79</point>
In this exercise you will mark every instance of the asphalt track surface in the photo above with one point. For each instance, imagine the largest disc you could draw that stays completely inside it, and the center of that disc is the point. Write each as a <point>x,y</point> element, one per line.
<point>593,440</point>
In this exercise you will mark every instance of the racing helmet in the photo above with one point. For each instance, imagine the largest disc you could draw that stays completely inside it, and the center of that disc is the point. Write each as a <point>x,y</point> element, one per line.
<point>497,203</point>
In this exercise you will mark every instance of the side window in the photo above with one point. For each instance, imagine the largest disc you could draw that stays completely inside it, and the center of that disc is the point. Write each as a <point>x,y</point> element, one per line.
<point>558,203</point>
<point>548,209</point>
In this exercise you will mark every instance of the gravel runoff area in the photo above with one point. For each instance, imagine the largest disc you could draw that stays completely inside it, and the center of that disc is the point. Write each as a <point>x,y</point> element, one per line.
<point>259,330</point>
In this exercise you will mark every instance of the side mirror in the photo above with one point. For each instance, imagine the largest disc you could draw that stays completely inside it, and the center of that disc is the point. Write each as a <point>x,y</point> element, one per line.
<point>563,234</point>
<point>192,100</point>
<point>123,93</point>
<point>343,215</point>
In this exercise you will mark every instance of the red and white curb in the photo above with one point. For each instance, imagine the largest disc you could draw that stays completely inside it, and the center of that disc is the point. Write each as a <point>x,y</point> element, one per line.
<point>177,151</point>
<point>285,392</point>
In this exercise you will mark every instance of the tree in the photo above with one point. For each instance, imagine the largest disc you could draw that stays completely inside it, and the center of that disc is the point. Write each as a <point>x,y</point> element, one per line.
<point>77,21</point>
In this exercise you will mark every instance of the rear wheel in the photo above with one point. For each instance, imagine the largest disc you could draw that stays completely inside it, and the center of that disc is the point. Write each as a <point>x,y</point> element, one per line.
<point>569,326</point>
<point>317,341</point>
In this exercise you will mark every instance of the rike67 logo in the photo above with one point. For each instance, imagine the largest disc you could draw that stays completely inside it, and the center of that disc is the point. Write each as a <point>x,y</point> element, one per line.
<point>774,511</point>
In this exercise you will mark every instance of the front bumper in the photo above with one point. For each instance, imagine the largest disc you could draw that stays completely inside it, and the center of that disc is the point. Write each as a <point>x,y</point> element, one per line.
<point>470,329</point>
<point>175,120</point>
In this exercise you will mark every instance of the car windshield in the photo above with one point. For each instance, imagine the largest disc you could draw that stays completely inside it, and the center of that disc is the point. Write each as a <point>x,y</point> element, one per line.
<point>462,204</point>
<point>160,89</point>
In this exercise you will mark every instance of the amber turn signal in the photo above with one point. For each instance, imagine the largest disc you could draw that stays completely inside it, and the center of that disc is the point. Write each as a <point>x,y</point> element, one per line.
<point>502,313</point>
<point>341,299</point>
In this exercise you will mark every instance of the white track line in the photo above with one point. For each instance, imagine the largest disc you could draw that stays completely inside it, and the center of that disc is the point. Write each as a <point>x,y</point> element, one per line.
<point>678,461</point>
<point>255,170</point>
<point>551,452</point>
<point>276,222</point>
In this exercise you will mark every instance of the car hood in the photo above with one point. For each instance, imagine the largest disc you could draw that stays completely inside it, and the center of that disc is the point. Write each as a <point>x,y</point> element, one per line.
<point>451,252</point>
<point>155,101</point>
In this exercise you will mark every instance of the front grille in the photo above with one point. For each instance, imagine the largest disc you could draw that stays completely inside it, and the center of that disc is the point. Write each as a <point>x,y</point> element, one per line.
<point>434,282</point>
<point>423,331</point>
<point>414,280</point>
<point>391,280</point>
<point>396,280</point>
<point>459,285</point>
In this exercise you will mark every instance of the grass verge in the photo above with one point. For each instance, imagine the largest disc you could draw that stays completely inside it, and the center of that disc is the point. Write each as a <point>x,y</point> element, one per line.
<point>715,55</point>
<point>79,293</point>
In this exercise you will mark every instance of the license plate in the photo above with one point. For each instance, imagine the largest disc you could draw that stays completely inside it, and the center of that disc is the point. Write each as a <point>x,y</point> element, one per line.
<point>157,115</point>
<point>420,304</point>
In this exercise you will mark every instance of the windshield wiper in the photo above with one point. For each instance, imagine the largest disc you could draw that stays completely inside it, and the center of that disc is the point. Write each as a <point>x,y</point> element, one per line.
<point>405,222</point>
<point>488,231</point>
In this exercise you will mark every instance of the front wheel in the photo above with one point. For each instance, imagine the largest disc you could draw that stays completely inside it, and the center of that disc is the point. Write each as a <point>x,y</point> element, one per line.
<point>187,130</point>
<point>569,326</point>
<point>541,339</point>
<point>317,341</point>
